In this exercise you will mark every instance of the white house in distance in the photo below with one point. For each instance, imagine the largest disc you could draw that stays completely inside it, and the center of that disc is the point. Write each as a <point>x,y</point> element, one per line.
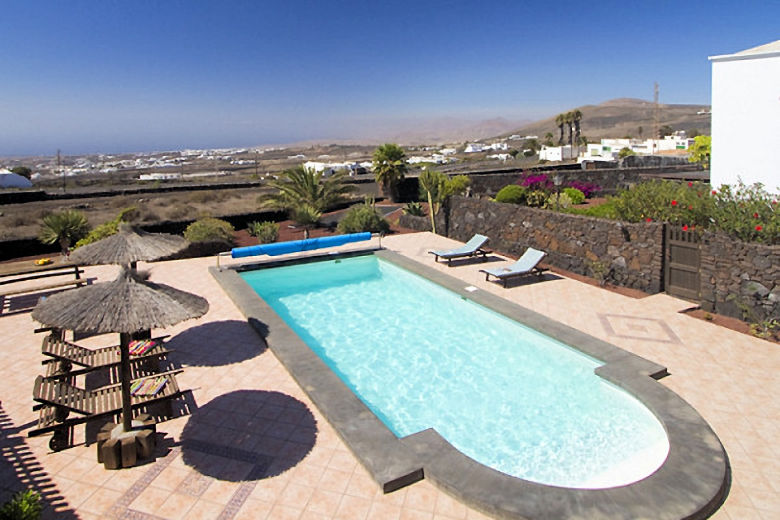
<point>609,149</point>
<point>746,102</point>
<point>557,153</point>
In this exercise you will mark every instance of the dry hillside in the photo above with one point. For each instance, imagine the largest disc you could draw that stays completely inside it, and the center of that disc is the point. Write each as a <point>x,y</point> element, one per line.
<point>624,117</point>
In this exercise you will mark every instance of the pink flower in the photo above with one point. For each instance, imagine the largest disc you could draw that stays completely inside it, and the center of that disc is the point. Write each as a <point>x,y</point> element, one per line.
<point>714,192</point>
<point>690,184</point>
<point>759,228</point>
<point>674,203</point>
<point>755,215</point>
<point>685,227</point>
<point>648,219</point>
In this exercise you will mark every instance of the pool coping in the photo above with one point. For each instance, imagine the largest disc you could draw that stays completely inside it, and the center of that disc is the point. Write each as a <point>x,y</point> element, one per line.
<point>692,483</point>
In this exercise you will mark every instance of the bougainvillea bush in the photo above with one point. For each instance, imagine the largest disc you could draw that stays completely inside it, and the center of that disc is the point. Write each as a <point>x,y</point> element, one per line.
<point>745,212</point>
<point>589,189</point>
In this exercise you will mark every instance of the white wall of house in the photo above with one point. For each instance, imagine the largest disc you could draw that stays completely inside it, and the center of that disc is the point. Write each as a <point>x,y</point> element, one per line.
<point>746,104</point>
<point>557,153</point>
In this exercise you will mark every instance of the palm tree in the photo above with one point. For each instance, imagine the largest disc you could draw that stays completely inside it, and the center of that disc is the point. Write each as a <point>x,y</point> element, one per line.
<point>389,168</point>
<point>305,194</point>
<point>576,118</point>
<point>548,139</point>
<point>568,118</point>
<point>66,227</point>
<point>559,122</point>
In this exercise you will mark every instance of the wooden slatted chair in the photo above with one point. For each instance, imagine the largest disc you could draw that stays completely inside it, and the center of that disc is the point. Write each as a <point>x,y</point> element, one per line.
<point>62,355</point>
<point>57,400</point>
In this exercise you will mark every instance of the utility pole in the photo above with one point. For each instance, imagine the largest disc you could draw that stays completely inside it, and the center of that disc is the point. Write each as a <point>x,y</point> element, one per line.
<point>59,170</point>
<point>656,115</point>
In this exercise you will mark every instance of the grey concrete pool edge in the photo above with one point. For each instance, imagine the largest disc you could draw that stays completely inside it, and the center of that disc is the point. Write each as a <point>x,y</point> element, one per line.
<point>692,482</point>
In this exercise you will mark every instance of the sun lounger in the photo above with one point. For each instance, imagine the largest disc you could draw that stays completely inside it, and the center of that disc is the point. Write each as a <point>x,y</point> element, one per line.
<point>58,399</point>
<point>526,264</point>
<point>64,354</point>
<point>470,249</point>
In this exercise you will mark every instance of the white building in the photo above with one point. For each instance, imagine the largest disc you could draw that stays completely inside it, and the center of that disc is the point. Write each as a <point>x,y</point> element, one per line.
<point>557,153</point>
<point>159,176</point>
<point>746,105</point>
<point>609,149</point>
<point>474,148</point>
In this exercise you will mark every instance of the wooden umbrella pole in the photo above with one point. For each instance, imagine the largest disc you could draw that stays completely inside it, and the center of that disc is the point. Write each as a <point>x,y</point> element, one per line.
<point>124,348</point>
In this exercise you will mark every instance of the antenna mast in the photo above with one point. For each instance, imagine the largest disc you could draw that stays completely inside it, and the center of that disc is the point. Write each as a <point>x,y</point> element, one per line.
<point>655,113</point>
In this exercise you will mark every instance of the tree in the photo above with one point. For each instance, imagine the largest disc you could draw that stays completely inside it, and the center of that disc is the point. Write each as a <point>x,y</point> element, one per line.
<point>305,194</point>
<point>576,117</point>
<point>700,151</point>
<point>625,152</point>
<point>66,227</point>
<point>389,168</point>
<point>548,139</point>
<point>559,122</point>
<point>568,119</point>
<point>693,133</point>
<point>639,131</point>
<point>24,171</point>
<point>664,131</point>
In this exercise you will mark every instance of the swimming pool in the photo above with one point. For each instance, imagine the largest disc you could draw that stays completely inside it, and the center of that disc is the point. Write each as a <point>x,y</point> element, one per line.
<point>692,482</point>
<point>420,356</point>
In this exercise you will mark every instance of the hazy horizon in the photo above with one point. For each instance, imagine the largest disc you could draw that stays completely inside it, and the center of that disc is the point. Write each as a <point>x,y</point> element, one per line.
<point>94,77</point>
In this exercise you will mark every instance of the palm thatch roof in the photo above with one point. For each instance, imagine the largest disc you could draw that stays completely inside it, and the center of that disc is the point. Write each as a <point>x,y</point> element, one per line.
<point>127,304</point>
<point>128,245</point>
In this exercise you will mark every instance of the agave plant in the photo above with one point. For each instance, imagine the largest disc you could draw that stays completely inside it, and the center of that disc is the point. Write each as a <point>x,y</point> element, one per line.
<point>66,227</point>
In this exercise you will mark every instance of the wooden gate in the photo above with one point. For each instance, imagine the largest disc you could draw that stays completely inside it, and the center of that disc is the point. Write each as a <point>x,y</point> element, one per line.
<point>682,262</point>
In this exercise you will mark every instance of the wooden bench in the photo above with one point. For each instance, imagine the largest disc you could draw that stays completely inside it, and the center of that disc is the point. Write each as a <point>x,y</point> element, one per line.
<point>16,274</point>
<point>56,400</point>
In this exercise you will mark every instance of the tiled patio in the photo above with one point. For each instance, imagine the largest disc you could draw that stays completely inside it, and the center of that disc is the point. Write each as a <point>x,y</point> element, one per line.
<point>256,447</point>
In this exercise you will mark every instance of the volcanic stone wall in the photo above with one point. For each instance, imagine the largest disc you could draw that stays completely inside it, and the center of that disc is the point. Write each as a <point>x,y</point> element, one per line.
<point>629,255</point>
<point>740,279</point>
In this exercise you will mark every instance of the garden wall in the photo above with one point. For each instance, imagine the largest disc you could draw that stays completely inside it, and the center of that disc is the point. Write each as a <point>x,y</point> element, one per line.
<point>611,180</point>
<point>630,254</point>
<point>738,275</point>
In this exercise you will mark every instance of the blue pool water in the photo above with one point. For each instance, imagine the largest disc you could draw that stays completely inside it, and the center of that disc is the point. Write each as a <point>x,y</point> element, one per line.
<point>420,356</point>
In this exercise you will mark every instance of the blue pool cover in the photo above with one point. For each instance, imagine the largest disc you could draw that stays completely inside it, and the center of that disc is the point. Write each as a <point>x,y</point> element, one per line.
<point>294,246</point>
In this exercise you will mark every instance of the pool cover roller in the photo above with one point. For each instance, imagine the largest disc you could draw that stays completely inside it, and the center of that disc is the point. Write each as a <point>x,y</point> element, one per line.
<point>295,246</point>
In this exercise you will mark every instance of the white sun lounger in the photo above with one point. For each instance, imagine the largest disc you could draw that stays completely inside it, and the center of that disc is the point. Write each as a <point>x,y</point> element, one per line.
<point>526,264</point>
<point>471,248</point>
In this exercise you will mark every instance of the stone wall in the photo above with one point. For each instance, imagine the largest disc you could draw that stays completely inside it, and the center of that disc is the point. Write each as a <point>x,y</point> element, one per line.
<point>611,180</point>
<point>630,255</point>
<point>736,275</point>
<point>415,223</point>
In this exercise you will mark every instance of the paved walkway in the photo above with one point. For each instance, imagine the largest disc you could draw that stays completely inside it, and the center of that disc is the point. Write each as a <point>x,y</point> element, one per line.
<point>256,447</point>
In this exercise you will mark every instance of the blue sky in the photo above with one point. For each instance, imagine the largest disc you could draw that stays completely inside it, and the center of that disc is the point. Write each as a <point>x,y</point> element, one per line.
<point>113,76</point>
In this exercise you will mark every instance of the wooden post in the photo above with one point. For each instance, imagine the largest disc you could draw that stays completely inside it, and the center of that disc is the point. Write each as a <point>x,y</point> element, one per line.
<point>124,349</point>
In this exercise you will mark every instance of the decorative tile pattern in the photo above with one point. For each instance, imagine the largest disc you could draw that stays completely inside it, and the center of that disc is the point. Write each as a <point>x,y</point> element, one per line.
<point>634,327</point>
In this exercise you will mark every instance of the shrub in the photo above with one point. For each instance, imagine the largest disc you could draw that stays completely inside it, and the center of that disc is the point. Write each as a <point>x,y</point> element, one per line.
<point>512,194</point>
<point>210,230</point>
<point>589,189</point>
<point>363,217</point>
<point>106,229</point>
<point>25,505</point>
<point>66,227</point>
<point>266,232</point>
<point>536,198</point>
<point>625,152</point>
<point>576,196</point>
<point>536,182</point>
<point>414,209</point>
<point>558,201</point>
<point>666,201</point>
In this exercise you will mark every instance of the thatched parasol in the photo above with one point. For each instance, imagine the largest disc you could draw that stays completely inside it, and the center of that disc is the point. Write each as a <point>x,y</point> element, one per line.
<point>125,305</point>
<point>127,246</point>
